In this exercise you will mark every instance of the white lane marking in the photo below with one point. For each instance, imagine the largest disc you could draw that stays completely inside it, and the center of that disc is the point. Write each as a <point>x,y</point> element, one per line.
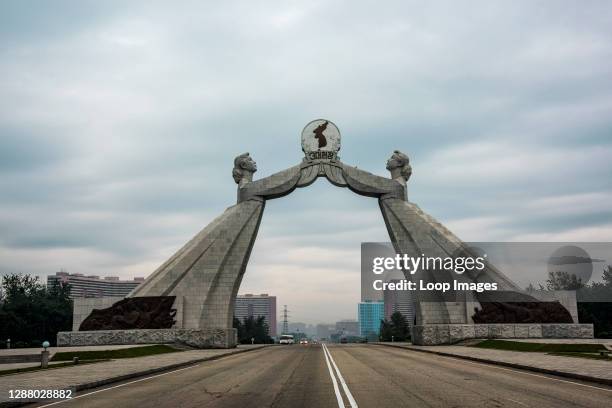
<point>518,402</point>
<point>344,386</point>
<point>331,374</point>
<point>120,385</point>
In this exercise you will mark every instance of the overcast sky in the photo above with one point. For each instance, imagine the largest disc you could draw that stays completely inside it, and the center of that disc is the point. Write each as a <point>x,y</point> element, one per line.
<point>119,123</point>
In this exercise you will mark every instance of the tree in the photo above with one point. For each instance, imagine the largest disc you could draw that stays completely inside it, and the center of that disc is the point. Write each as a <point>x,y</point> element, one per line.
<point>239,328</point>
<point>31,313</point>
<point>561,280</point>
<point>597,313</point>
<point>607,276</point>
<point>252,328</point>
<point>395,329</point>
<point>385,330</point>
<point>595,304</point>
<point>400,328</point>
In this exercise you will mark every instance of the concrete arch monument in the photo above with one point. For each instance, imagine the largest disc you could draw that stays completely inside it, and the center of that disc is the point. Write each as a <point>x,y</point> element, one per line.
<point>205,274</point>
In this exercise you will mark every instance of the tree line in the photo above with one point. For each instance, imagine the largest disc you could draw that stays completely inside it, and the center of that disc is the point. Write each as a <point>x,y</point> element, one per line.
<point>31,312</point>
<point>594,299</point>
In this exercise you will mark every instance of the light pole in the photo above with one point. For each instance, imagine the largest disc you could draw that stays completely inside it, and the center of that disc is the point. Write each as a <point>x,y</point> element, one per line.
<point>8,343</point>
<point>392,339</point>
<point>44,355</point>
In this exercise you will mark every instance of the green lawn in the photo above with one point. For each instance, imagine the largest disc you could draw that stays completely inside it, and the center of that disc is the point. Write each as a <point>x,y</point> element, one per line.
<point>585,350</point>
<point>539,347</point>
<point>114,354</point>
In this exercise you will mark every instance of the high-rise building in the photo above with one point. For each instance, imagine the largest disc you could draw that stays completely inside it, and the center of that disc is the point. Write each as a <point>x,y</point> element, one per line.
<point>399,301</point>
<point>370,314</point>
<point>257,305</point>
<point>92,286</point>
<point>348,327</point>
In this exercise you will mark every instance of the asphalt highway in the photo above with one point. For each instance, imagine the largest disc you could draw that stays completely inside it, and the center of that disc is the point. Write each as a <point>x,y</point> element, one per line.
<point>344,376</point>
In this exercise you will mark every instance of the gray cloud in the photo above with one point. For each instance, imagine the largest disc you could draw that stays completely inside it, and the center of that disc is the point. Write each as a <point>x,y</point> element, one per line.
<point>119,123</point>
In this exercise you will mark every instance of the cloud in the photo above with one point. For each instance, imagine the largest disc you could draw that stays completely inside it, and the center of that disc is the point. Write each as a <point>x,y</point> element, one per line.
<point>119,123</point>
<point>509,163</point>
<point>601,233</point>
<point>572,204</point>
<point>474,228</point>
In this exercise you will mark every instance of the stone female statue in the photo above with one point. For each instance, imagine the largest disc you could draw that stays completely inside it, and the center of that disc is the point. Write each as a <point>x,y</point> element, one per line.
<point>244,167</point>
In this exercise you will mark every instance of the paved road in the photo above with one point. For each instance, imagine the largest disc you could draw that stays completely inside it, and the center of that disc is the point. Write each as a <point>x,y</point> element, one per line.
<point>363,375</point>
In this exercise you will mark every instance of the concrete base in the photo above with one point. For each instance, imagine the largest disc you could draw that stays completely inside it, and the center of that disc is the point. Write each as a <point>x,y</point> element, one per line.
<point>199,338</point>
<point>437,334</point>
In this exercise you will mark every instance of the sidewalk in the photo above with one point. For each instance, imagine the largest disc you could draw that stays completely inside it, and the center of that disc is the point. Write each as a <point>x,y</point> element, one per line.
<point>571,367</point>
<point>81,377</point>
<point>52,351</point>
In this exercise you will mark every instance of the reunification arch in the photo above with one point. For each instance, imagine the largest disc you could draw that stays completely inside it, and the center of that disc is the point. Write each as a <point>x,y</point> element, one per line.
<point>205,274</point>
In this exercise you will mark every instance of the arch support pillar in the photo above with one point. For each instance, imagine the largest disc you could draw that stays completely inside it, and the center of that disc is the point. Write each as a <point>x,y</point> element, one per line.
<point>413,232</point>
<point>205,274</point>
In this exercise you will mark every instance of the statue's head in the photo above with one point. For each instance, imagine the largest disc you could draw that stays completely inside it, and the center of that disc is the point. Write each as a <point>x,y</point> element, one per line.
<point>399,166</point>
<point>244,167</point>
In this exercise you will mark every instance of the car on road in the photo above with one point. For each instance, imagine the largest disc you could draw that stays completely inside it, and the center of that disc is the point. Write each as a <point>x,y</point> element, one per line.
<point>286,339</point>
<point>303,341</point>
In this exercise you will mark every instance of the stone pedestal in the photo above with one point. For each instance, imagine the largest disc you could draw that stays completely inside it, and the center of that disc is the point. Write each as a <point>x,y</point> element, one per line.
<point>198,338</point>
<point>436,334</point>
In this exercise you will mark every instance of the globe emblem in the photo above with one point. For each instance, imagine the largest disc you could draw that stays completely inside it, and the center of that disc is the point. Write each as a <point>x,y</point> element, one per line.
<point>321,140</point>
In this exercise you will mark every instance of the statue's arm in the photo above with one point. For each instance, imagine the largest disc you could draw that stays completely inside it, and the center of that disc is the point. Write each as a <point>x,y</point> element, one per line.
<point>368,184</point>
<point>274,186</point>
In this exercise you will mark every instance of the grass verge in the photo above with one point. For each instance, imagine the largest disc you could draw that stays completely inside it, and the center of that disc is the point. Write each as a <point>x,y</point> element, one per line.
<point>115,354</point>
<point>584,355</point>
<point>539,347</point>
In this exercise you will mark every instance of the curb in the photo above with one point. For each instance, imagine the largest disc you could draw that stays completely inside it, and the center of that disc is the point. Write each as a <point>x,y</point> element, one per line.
<point>565,374</point>
<point>111,380</point>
